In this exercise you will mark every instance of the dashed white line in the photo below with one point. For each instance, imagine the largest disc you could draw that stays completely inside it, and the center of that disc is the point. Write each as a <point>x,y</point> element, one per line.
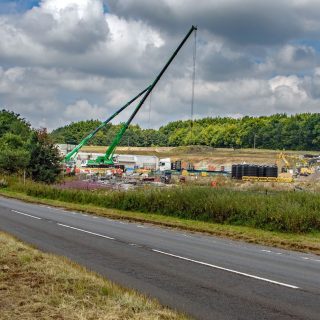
<point>25,214</point>
<point>228,270</point>
<point>269,251</point>
<point>186,235</point>
<point>86,231</point>
<point>139,226</point>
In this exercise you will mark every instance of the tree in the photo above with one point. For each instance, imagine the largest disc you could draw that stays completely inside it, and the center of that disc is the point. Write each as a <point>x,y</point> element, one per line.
<point>14,134</point>
<point>45,160</point>
<point>13,123</point>
<point>14,156</point>
<point>296,132</point>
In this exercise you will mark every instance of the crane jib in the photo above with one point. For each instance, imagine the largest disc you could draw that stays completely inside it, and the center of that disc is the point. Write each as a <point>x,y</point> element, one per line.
<point>74,151</point>
<point>107,159</point>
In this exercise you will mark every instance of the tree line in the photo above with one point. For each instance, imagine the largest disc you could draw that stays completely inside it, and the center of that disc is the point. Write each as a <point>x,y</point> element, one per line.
<point>279,131</point>
<point>27,151</point>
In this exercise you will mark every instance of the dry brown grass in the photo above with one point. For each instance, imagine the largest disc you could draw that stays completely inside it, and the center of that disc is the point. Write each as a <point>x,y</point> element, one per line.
<point>35,285</point>
<point>202,155</point>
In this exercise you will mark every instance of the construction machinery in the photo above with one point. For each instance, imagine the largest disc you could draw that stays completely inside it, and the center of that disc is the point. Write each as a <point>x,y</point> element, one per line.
<point>298,165</point>
<point>108,159</point>
<point>282,156</point>
<point>69,158</point>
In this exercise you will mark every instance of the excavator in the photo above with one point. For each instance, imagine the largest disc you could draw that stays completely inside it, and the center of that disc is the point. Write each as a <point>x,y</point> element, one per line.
<point>296,163</point>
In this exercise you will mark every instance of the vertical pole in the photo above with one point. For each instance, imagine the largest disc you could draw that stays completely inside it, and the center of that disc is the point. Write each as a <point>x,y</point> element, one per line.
<point>193,82</point>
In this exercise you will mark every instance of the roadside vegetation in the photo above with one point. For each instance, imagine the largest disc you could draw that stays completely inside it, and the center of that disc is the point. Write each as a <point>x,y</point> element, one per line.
<point>285,211</point>
<point>35,285</point>
<point>26,151</point>
<point>304,242</point>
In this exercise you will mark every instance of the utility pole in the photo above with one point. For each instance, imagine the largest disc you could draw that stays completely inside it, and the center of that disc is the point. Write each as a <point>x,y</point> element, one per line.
<point>254,141</point>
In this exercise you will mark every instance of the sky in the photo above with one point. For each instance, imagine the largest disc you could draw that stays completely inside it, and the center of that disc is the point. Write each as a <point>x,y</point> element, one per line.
<point>68,60</point>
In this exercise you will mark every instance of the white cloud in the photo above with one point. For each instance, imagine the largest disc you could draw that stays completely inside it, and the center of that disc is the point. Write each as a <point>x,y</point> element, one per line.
<point>67,60</point>
<point>81,110</point>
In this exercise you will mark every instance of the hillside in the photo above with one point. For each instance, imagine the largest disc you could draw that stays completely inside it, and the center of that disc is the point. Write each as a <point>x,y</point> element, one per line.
<point>279,131</point>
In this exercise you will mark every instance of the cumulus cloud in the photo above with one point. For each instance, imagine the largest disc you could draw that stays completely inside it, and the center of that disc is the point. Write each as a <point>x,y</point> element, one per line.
<point>69,60</point>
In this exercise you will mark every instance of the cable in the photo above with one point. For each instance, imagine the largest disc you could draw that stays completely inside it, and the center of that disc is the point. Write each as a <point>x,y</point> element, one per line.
<point>193,78</point>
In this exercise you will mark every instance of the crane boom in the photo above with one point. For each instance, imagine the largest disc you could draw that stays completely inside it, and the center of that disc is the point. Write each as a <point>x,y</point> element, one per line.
<point>107,158</point>
<point>74,151</point>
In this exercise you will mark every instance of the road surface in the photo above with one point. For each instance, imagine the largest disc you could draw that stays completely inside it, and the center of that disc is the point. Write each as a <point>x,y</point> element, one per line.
<point>204,276</point>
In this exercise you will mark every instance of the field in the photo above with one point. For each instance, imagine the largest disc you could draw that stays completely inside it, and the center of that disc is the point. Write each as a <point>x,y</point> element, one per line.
<point>35,285</point>
<point>202,156</point>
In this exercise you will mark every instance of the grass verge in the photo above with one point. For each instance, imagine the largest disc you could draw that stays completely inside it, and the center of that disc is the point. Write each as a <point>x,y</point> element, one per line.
<point>309,242</point>
<point>36,285</point>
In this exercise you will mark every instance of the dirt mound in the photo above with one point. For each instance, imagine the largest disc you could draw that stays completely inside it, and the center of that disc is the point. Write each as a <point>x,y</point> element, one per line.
<point>194,149</point>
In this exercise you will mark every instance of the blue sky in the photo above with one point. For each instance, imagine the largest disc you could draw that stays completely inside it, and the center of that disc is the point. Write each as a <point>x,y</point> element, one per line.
<point>70,60</point>
<point>10,6</point>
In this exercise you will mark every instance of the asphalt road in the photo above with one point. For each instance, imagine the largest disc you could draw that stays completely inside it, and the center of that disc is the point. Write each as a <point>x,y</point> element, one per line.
<point>203,276</point>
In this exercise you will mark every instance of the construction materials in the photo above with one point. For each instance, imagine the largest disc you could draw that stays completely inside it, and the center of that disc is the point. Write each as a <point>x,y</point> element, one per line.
<point>253,170</point>
<point>267,179</point>
<point>107,159</point>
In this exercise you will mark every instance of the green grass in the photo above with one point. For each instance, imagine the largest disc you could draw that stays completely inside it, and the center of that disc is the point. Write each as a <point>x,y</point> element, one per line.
<point>305,242</point>
<point>35,285</point>
<point>285,211</point>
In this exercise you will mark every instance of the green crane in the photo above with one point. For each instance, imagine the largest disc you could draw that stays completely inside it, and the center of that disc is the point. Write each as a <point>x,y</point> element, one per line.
<point>68,158</point>
<point>107,159</point>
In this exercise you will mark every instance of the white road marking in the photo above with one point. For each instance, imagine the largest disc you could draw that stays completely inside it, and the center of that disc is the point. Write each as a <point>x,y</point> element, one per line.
<point>139,226</point>
<point>86,231</point>
<point>25,214</point>
<point>228,270</point>
<point>269,251</point>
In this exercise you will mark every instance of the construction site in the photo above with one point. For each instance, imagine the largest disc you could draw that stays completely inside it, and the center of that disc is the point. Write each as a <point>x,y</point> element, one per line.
<point>125,168</point>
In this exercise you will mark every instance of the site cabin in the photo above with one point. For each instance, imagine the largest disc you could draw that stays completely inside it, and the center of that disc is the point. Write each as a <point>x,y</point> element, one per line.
<point>129,161</point>
<point>165,164</point>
